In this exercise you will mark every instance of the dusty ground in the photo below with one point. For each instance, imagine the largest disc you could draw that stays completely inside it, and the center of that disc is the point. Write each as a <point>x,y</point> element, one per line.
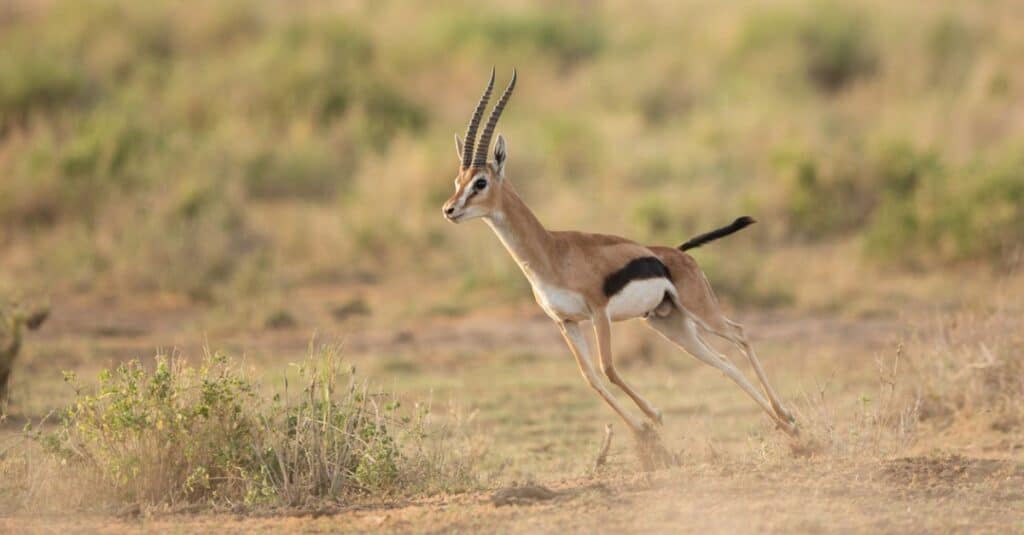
<point>504,377</point>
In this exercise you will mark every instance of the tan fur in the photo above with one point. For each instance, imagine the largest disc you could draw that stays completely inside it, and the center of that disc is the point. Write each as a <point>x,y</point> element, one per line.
<point>567,271</point>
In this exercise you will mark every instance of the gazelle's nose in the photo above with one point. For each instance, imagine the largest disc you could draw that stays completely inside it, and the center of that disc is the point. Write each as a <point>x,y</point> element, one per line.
<point>449,211</point>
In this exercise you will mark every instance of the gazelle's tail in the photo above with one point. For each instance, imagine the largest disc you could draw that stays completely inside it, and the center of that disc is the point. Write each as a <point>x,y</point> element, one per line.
<point>735,226</point>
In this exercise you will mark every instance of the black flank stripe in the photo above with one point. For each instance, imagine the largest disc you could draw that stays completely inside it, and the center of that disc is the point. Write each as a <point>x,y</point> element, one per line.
<point>647,267</point>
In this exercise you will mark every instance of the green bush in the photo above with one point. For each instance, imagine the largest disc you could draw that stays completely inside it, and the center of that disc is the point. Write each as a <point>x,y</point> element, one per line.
<point>174,434</point>
<point>831,44</point>
<point>567,38</point>
<point>837,48</point>
<point>826,197</point>
<point>976,212</point>
<point>204,435</point>
<point>34,82</point>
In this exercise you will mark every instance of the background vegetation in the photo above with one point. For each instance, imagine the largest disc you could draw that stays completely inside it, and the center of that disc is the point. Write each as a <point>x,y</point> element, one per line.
<point>254,173</point>
<point>245,148</point>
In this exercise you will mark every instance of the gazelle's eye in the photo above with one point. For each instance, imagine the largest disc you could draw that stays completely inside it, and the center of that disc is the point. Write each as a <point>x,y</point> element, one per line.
<point>480,184</point>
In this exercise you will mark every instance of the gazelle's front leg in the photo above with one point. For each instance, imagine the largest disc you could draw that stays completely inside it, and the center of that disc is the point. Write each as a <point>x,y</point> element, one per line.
<point>603,332</point>
<point>580,347</point>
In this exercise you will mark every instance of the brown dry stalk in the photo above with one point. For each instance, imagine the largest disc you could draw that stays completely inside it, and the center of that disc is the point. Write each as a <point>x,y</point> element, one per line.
<point>606,444</point>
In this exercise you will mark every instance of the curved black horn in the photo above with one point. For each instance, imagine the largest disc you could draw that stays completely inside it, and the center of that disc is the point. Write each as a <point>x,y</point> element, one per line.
<point>480,158</point>
<point>467,147</point>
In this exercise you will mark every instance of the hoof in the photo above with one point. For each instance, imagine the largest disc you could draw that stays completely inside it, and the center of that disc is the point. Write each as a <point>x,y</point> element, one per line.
<point>784,414</point>
<point>790,428</point>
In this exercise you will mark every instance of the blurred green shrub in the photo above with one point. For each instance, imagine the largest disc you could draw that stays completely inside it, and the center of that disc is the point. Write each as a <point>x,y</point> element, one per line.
<point>832,42</point>
<point>130,132</point>
<point>568,38</point>
<point>826,196</point>
<point>837,47</point>
<point>309,169</point>
<point>972,213</point>
<point>144,97</point>
<point>35,81</point>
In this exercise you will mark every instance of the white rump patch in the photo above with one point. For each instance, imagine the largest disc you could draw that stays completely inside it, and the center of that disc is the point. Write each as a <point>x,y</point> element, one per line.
<point>638,298</point>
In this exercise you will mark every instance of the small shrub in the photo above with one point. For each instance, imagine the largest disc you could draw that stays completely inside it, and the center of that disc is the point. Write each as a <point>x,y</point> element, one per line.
<point>827,196</point>
<point>569,39</point>
<point>308,171</point>
<point>178,435</point>
<point>35,82</point>
<point>171,435</point>
<point>280,319</point>
<point>830,44</point>
<point>836,47</point>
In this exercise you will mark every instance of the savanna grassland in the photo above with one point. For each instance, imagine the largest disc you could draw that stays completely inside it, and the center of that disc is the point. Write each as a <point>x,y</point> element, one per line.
<point>259,320</point>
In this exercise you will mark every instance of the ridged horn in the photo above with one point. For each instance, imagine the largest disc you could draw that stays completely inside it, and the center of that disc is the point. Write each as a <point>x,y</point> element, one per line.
<point>474,123</point>
<point>480,158</point>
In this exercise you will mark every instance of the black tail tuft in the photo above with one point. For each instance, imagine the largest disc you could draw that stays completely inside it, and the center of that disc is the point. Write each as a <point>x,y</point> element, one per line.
<point>735,226</point>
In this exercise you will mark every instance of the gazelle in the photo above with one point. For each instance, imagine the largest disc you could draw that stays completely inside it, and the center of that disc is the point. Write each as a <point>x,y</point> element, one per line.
<point>580,278</point>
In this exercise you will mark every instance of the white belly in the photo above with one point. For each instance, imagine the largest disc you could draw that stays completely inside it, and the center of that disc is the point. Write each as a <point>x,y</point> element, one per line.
<point>638,298</point>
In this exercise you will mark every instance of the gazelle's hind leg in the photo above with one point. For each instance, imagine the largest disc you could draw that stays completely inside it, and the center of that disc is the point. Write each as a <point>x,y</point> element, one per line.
<point>681,330</point>
<point>739,338</point>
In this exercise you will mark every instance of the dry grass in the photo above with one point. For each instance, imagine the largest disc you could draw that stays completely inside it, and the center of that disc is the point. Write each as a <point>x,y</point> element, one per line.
<point>970,367</point>
<point>207,438</point>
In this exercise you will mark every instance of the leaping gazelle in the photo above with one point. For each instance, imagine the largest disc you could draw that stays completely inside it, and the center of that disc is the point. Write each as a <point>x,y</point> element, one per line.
<point>579,277</point>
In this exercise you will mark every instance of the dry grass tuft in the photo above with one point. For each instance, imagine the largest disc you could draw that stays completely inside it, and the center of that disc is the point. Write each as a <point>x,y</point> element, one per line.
<point>972,366</point>
<point>875,426</point>
<point>184,438</point>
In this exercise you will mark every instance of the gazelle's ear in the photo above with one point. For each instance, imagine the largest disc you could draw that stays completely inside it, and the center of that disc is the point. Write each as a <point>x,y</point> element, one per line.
<point>500,155</point>
<point>458,147</point>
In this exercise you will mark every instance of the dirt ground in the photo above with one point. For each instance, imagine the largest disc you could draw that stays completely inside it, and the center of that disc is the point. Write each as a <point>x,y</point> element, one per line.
<point>504,375</point>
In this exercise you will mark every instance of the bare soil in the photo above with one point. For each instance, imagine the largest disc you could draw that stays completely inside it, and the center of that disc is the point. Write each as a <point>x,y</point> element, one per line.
<point>542,427</point>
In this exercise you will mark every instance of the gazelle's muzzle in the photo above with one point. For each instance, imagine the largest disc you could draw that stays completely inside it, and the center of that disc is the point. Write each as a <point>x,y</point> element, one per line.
<point>455,207</point>
<point>451,211</point>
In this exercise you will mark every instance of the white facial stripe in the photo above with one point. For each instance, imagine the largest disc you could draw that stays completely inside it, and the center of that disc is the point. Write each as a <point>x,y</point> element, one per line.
<point>467,191</point>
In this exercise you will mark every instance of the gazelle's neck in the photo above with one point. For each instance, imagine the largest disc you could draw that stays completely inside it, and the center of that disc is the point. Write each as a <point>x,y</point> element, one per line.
<point>526,239</point>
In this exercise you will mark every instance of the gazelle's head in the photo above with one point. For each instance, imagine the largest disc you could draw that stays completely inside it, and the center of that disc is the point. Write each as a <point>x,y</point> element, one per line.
<point>479,182</point>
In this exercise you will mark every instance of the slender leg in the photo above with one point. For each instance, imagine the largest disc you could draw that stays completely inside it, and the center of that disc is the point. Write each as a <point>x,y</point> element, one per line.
<point>682,331</point>
<point>580,347</point>
<point>603,332</point>
<point>741,341</point>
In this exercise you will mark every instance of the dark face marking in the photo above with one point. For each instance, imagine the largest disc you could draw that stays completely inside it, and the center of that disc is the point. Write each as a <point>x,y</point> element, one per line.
<point>646,267</point>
